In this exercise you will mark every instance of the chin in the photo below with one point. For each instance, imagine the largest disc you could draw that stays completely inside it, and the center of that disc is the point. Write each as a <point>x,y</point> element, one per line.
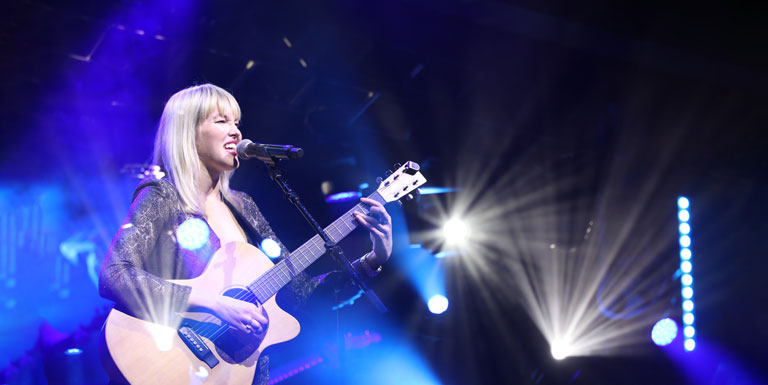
<point>234,165</point>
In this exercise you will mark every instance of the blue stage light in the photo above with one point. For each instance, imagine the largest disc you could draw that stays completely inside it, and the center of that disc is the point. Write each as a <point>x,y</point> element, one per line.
<point>686,267</point>
<point>435,190</point>
<point>438,304</point>
<point>447,254</point>
<point>270,248</point>
<point>343,196</point>
<point>664,332</point>
<point>192,234</point>
<point>73,352</point>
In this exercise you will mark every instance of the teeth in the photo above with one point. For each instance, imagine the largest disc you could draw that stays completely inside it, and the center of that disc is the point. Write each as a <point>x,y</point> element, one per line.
<point>229,146</point>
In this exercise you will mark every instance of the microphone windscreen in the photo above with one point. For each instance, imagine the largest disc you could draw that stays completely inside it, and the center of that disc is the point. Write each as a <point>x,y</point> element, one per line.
<point>242,148</point>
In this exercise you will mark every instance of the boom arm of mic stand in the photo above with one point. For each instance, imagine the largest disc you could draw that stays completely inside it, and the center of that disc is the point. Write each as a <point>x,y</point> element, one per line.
<point>332,247</point>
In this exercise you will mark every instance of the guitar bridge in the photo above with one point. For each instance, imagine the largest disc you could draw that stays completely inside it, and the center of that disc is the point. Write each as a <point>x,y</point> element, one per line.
<point>197,346</point>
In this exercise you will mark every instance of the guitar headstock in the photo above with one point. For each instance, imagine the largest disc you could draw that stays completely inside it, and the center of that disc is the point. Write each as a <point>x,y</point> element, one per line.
<point>401,183</point>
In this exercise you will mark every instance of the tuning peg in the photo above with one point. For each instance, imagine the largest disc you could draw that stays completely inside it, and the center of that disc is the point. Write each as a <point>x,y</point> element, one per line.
<point>409,197</point>
<point>388,173</point>
<point>379,180</point>
<point>396,166</point>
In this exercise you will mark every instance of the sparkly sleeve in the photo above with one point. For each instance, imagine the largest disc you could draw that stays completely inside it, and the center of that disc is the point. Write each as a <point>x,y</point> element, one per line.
<point>300,286</point>
<point>124,278</point>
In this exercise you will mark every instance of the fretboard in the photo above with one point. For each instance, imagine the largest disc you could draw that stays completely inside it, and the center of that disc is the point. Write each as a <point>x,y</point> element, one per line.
<point>284,271</point>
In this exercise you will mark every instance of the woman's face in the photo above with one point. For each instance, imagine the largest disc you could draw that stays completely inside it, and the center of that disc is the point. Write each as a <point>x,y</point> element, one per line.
<point>216,140</point>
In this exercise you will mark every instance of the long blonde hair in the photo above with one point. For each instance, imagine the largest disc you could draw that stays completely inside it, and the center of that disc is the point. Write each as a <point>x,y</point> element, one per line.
<point>175,143</point>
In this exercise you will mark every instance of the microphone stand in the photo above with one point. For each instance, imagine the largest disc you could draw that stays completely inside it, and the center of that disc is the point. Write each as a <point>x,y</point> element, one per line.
<point>330,245</point>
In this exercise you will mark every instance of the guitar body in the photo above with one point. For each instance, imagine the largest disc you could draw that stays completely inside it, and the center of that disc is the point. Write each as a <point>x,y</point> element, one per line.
<point>143,352</point>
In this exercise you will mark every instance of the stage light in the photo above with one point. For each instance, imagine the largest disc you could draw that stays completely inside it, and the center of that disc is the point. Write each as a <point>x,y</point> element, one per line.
<point>560,349</point>
<point>438,304</point>
<point>686,267</point>
<point>343,197</point>
<point>664,332</point>
<point>447,254</point>
<point>192,234</point>
<point>435,190</point>
<point>455,231</point>
<point>270,248</point>
<point>73,352</point>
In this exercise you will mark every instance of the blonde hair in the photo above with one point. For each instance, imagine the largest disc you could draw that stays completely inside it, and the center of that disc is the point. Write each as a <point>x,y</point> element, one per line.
<point>175,143</point>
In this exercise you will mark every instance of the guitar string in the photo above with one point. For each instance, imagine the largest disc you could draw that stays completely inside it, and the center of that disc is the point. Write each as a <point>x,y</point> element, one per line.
<point>207,329</point>
<point>267,279</point>
<point>222,329</point>
<point>212,331</point>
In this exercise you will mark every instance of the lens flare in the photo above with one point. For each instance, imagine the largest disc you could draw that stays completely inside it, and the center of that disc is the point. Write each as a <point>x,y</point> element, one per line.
<point>455,231</point>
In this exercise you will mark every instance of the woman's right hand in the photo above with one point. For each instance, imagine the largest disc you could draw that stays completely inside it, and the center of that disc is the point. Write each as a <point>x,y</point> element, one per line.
<point>245,316</point>
<point>241,315</point>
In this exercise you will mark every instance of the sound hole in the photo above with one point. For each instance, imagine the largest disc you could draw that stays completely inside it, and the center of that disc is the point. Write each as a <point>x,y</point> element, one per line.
<point>242,294</point>
<point>235,346</point>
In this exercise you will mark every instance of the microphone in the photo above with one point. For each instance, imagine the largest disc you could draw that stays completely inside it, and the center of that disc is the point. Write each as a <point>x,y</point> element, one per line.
<point>267,152</point>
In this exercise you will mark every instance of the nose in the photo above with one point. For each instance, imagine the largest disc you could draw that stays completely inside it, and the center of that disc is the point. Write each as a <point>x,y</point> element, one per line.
<point>235,133</point>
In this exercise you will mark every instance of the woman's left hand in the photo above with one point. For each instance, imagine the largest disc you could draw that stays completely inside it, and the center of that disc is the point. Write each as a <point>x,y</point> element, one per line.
<point>379,224</point>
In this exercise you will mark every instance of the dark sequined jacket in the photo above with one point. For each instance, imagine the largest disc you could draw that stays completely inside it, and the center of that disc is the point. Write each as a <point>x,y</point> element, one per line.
<point>145,253</point>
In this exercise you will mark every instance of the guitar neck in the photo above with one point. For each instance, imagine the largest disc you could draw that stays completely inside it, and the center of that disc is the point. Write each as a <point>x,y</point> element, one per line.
<point>284,271</point>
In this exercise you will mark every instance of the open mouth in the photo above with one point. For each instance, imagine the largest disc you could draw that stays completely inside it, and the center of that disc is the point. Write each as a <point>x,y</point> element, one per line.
<point>231,148</point>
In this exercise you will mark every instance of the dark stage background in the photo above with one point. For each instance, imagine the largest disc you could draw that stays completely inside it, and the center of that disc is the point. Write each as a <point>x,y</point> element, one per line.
<point>563,126</point>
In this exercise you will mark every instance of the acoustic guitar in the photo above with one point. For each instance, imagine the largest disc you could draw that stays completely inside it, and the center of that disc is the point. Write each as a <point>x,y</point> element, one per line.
<point>199,348</point>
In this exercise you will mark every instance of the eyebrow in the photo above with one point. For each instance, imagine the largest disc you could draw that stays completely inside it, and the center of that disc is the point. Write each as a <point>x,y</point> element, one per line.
<point>225,117</point>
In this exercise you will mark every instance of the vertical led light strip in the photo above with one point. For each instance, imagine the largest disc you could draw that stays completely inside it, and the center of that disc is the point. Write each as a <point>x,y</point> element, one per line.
<point>686,268</point>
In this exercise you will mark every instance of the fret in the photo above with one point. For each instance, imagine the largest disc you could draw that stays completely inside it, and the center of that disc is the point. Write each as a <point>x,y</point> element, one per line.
<point>284,271</point>
<point>287,276</point>
<point>289,264</point>
<point>330,234</point>
<point>261,295</point>
<point>304,258</point>
<point>274,278</point>
<point>319,246</point>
